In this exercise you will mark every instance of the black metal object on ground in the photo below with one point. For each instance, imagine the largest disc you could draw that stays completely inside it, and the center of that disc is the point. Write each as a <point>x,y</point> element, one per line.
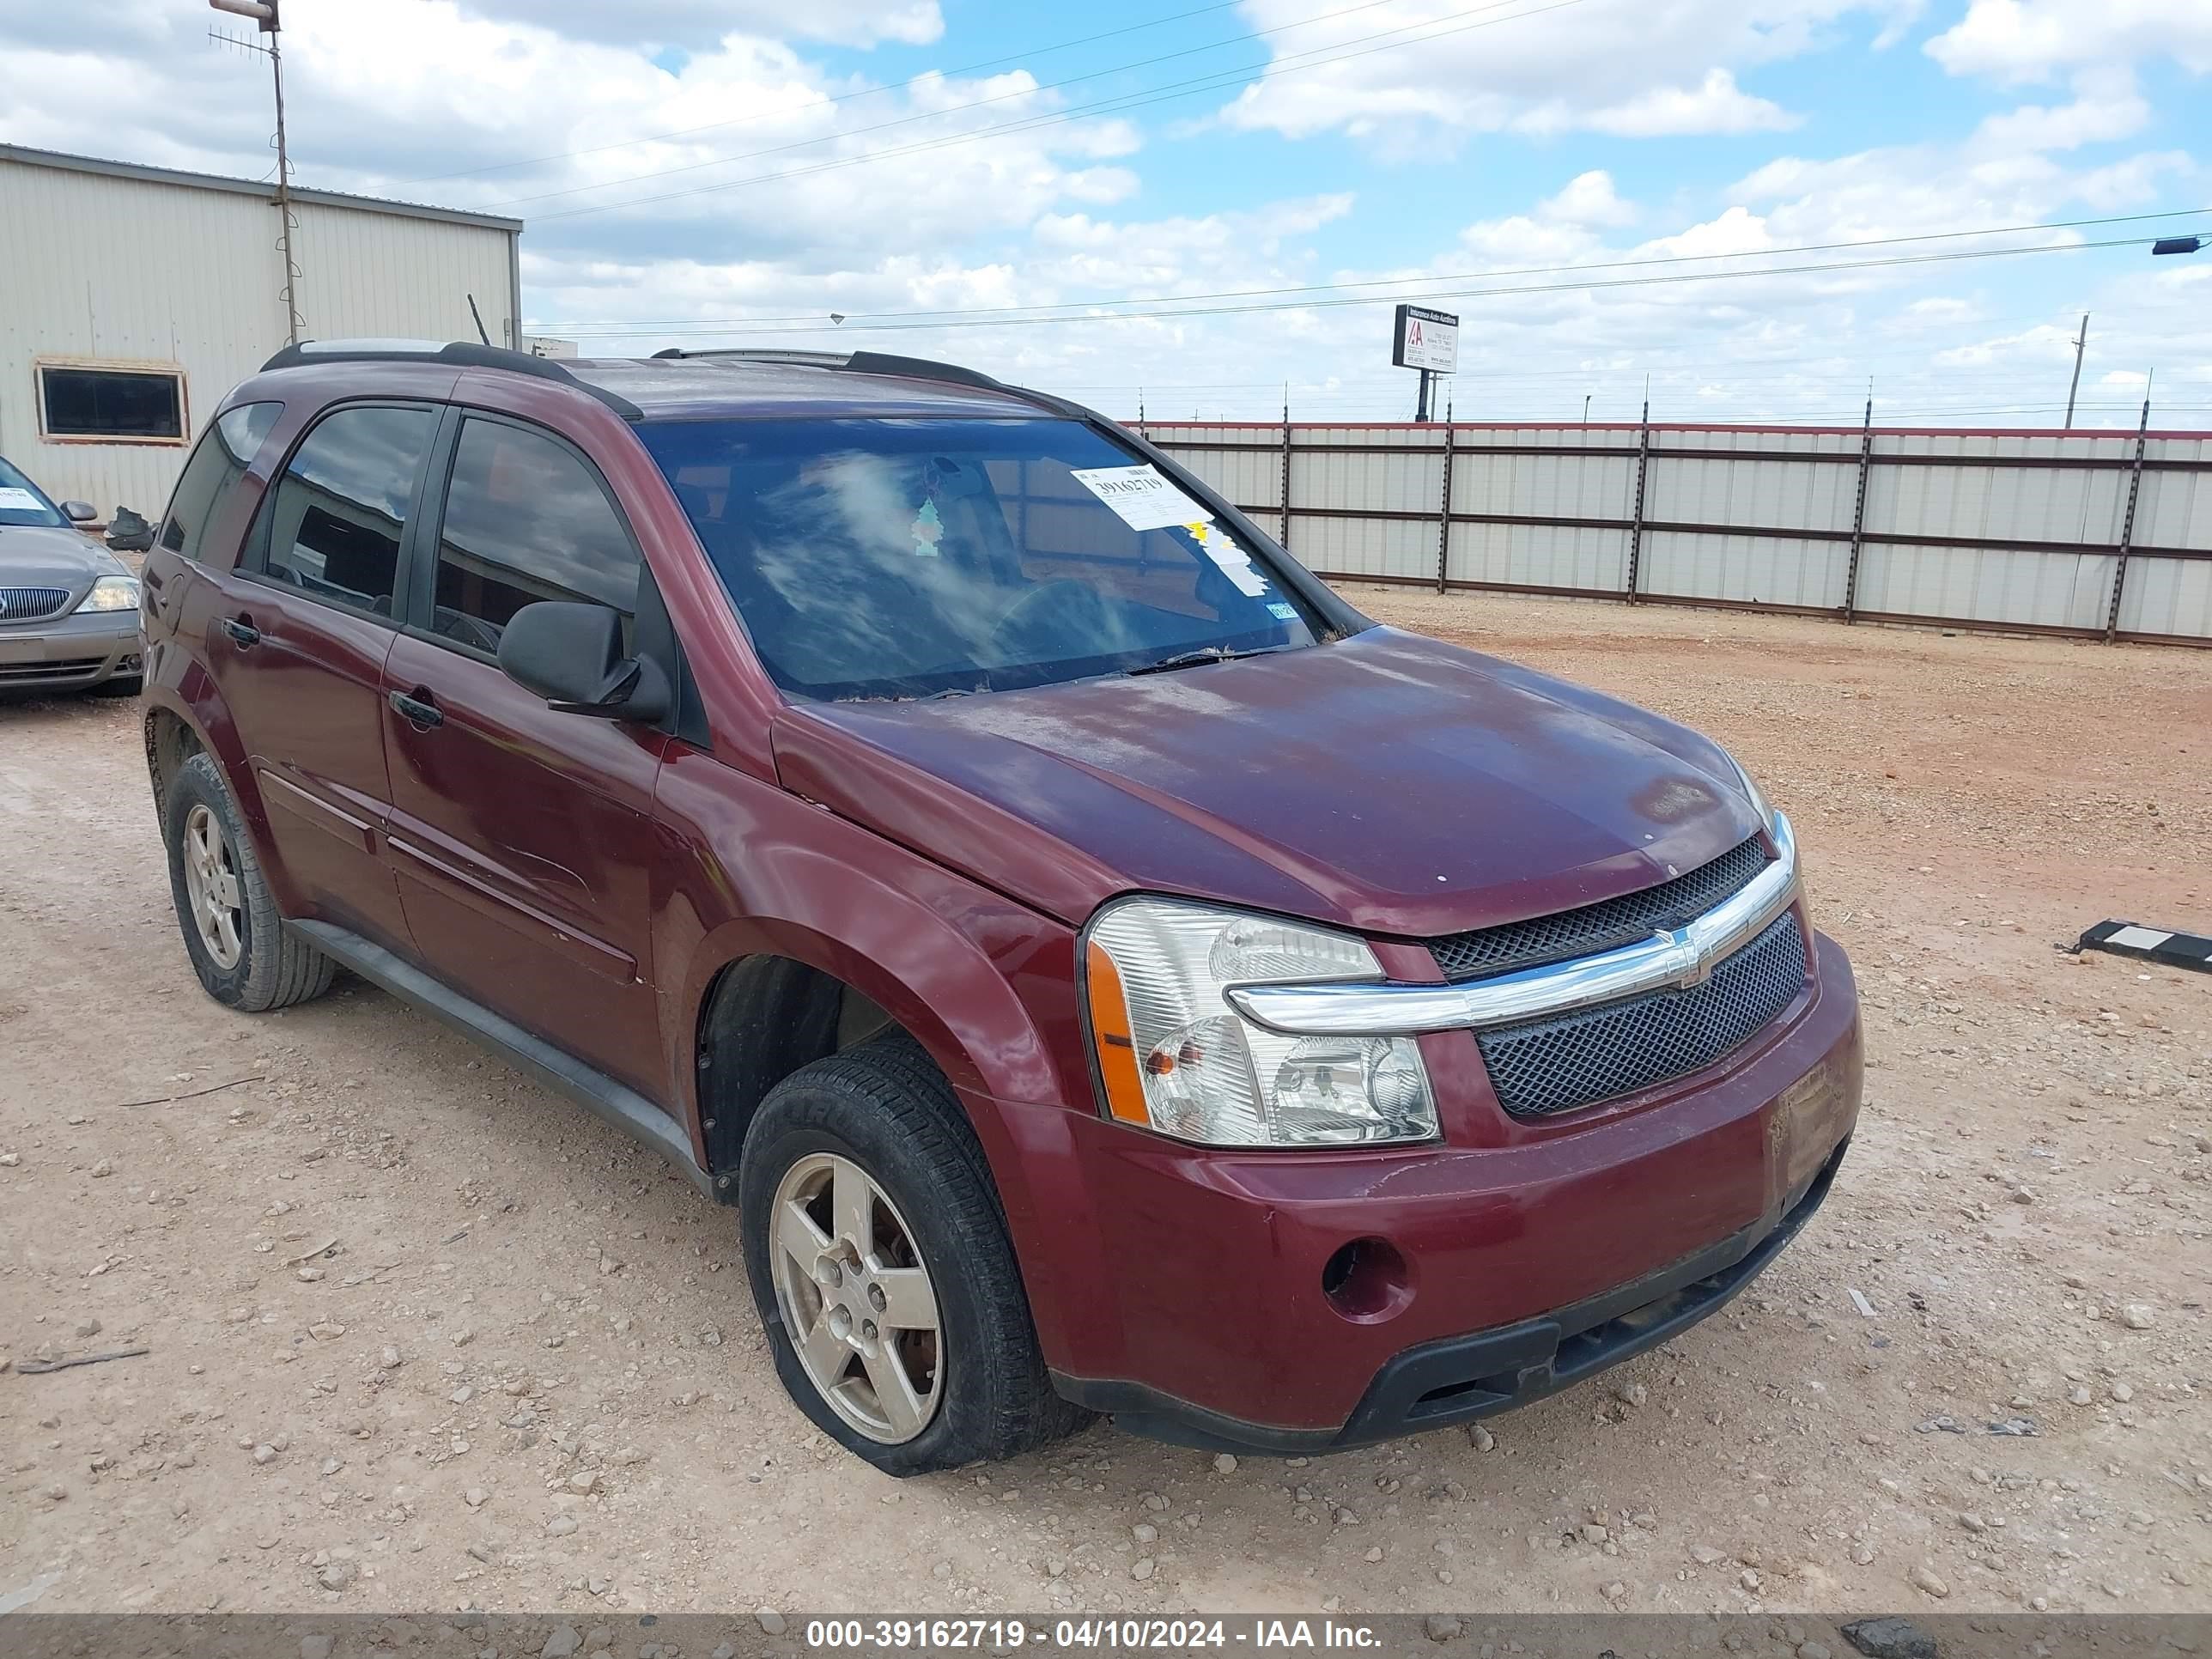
<point>2159,945</point>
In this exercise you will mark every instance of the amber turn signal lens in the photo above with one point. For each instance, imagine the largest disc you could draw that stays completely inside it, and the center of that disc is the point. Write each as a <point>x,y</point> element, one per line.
<point>1109,1029</point>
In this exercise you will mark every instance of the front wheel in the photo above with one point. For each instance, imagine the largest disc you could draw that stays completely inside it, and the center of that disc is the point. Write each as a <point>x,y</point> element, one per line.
<point>881,1265</point>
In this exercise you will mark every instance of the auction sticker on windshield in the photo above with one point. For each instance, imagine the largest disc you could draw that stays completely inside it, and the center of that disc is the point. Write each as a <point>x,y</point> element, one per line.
<point>13,500</point>
<point>1140,498</point>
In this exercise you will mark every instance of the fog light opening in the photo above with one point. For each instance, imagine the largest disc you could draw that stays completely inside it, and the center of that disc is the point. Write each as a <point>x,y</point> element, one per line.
<point>1367,1280</point>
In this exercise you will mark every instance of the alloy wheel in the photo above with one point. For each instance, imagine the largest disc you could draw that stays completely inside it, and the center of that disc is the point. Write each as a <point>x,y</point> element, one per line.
<point>856,1299</point>
<point>211,888</point>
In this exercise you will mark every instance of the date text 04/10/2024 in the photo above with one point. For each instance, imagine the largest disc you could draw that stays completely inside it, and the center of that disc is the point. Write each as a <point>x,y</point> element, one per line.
<point>1002,1635</point>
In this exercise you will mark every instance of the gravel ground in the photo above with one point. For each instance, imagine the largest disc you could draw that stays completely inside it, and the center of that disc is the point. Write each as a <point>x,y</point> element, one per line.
<point>423,1337</point>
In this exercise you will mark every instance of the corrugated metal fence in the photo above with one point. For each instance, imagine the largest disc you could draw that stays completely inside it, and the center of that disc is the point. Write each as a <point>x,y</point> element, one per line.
<point>2094,536</point>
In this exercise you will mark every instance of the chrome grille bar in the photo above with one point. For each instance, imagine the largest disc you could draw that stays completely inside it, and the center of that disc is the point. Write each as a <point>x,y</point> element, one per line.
<point>1682,956</point>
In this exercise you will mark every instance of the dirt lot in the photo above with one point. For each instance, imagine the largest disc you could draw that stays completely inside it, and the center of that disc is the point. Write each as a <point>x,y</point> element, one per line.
<point>525,1373</point>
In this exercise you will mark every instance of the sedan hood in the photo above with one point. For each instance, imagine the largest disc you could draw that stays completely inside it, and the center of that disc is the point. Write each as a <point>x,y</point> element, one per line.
<point>1386,782</point>
<point>37,555</point>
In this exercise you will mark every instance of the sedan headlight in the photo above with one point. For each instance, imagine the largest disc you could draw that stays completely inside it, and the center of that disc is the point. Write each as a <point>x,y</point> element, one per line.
<point>111,593</point>
<point>1174,1057</point>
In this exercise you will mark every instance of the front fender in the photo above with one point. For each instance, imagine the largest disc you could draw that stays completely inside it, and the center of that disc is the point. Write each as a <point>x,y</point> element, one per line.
<point>984,984</point>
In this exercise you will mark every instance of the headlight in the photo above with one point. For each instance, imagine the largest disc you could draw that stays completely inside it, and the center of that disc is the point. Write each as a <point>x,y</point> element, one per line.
<point>1176,1058</point>
<point>111,593</point>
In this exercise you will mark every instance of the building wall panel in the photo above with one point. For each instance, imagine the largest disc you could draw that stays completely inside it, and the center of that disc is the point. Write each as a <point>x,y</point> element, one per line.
<point>1353,547</point>
<point>2168,596</point>
<point>127,270</point>
<point>1743,569</point>
<point>1540,555</point>
<point>2043,590</point>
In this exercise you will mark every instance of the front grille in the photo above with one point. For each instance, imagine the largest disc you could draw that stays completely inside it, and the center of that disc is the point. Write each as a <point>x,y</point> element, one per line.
<point>35,673</point>
<point>1602,926</point>
<point>1541,1066</point>
<point>31,604</point>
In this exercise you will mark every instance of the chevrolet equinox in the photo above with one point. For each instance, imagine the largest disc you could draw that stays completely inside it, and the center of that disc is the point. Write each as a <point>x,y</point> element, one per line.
<point>1105,971</point>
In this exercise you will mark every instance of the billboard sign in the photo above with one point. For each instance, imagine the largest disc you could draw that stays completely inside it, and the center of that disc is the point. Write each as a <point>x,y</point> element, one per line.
<point>1425,339</point>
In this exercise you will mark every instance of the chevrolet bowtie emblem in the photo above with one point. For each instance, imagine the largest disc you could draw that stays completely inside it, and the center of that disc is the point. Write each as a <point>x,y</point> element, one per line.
<point>1686,965</point>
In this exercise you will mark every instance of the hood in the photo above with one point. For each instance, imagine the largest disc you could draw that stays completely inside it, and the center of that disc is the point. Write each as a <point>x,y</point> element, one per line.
<point>40,556</point>
<point>1386,782</point>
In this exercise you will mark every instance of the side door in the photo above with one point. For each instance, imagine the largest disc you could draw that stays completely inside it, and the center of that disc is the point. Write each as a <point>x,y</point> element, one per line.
<point>523,839</point>
<point>300,635</point>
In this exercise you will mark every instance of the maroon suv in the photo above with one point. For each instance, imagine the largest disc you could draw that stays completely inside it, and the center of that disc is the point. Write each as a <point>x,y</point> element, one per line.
<point>1106,971</point>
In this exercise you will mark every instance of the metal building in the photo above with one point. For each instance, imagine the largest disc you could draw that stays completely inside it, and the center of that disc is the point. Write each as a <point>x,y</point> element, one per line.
<point>132,298</point>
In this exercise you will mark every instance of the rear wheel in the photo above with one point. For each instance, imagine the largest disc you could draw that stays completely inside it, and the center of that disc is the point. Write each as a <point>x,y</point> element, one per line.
<point>881,1265</point>
<point>234,934</point>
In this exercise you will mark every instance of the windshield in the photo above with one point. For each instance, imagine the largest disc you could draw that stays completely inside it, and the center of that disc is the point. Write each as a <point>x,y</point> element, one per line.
<point>913,558</point>
<point>23,503</point>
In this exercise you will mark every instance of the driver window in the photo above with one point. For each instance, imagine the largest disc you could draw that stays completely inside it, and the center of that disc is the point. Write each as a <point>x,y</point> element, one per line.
<point>525,519</point>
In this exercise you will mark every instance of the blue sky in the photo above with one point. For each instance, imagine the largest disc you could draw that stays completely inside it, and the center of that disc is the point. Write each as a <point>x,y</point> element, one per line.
<point>733,171</point>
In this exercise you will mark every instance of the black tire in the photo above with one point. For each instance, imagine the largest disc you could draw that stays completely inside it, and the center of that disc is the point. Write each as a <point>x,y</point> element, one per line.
<point>276,968</point>
<point>885,1107</point>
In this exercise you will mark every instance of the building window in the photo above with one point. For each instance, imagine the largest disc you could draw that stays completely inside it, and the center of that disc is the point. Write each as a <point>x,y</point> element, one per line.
<point>111,405</point>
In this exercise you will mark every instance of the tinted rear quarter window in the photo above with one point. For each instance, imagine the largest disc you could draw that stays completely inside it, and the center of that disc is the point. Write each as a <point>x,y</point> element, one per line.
<point>219,461</point>
<point>339,513</point>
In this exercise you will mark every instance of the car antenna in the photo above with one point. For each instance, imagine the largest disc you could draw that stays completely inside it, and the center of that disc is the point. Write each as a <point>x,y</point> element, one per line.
<point>478,315</point>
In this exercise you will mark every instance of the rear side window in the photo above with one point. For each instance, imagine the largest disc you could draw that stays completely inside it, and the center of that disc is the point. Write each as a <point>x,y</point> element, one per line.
<point>225,451</point>
<point>340,510</point>
<point>525,519</point>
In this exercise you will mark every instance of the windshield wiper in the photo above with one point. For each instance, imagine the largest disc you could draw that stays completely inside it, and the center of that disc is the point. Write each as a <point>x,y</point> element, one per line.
<point>1208,653</point>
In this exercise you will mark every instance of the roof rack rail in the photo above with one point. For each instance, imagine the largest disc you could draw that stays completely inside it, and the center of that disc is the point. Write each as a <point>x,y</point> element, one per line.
<point>754,354</point>
<point>462,354</point>
<point>855,362</point>
<point>921,368</point>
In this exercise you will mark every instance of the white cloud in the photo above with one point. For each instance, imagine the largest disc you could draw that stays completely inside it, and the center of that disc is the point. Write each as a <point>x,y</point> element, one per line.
<point>2107,106</point>
<point>695,23</point>
<point>1588,199</point>
<point>1622,67</point>
<point>2015,41</point>
<point>1716,104</point>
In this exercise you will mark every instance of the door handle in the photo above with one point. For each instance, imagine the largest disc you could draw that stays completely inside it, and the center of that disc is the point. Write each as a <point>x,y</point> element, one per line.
<point>421,711</point>
<point>244,632</point>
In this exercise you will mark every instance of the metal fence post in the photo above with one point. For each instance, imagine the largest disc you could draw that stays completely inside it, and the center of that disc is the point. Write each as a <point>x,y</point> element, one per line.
<point>1636,525</point>
<point>2128,523</point>
<point>1858,517</point>
<point>1444,510</point>
<point>1286,472</point>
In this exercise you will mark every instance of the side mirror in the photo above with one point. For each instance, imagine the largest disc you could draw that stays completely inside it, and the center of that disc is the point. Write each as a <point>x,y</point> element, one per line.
<point>79,511</point>
<point>571,655</point>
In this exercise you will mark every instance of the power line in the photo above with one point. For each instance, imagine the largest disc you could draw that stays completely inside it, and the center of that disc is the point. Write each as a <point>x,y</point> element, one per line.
<point>1088,305</point>
<point>996,98</point>
<point>1523,289</point>
<point>1113,104</point>
<point>837,98</point>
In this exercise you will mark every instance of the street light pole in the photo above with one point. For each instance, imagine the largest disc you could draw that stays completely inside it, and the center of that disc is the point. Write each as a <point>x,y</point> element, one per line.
<point>264,13</point>
<point>2079,346</point>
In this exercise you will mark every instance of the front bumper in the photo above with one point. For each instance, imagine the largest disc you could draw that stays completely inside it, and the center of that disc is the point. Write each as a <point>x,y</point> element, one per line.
<point>1183,1290</point>
<point>1461,1378</point>
<point>70,653</point>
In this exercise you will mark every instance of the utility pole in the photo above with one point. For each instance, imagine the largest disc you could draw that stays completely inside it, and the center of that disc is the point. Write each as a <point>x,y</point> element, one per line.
<point>1587,396</point>
<point>264,13</point>
<point>2080,345</point>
